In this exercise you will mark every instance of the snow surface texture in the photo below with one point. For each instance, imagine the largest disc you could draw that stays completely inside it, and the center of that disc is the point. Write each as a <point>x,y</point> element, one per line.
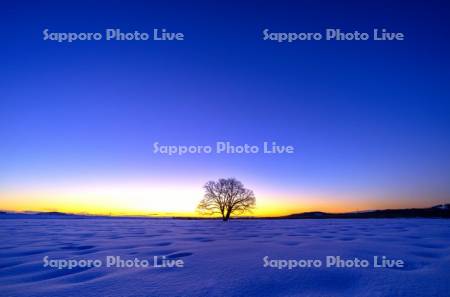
<point>224,259</point>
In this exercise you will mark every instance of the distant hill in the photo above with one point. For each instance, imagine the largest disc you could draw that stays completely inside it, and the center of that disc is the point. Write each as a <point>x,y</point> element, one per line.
<point>39,215</point>
<point>53,213</point>
<point>438,211</point>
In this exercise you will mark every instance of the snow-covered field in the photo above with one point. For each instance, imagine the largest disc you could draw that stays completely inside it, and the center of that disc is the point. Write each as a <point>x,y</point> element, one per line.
<point>224,259</point>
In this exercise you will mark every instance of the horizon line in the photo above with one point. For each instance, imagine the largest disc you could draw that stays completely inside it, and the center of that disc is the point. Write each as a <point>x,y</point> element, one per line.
<point>162,216</point>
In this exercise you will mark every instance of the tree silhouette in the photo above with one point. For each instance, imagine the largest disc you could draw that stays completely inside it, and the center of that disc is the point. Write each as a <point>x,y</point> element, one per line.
<point>226,197</point>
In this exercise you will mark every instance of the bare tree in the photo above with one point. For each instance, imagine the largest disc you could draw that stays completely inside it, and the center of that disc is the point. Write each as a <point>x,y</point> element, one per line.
<point>226,197</point>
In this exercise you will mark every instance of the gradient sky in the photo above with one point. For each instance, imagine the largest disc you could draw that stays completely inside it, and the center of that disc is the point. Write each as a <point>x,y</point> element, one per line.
<point>369,120</point>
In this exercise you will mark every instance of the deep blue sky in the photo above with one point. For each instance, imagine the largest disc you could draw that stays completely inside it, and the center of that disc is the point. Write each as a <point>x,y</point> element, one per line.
<point>370,120</point>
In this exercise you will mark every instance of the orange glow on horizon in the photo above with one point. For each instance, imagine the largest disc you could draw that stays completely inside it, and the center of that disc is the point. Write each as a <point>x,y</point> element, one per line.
<point>144,198</point>
<point>169,204</point>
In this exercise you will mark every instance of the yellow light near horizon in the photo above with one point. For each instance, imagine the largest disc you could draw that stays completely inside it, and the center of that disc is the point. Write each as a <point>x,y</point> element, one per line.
<point>163,199</point>
<point>107,199</point>
<point>125,199</point>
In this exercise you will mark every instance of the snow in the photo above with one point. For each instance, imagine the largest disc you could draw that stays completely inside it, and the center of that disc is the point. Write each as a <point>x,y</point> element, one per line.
<point>224,259</point>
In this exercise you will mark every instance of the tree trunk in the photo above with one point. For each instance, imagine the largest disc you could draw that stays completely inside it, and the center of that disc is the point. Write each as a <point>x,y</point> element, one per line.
<point>227,216</point>
<point>222,212</point>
